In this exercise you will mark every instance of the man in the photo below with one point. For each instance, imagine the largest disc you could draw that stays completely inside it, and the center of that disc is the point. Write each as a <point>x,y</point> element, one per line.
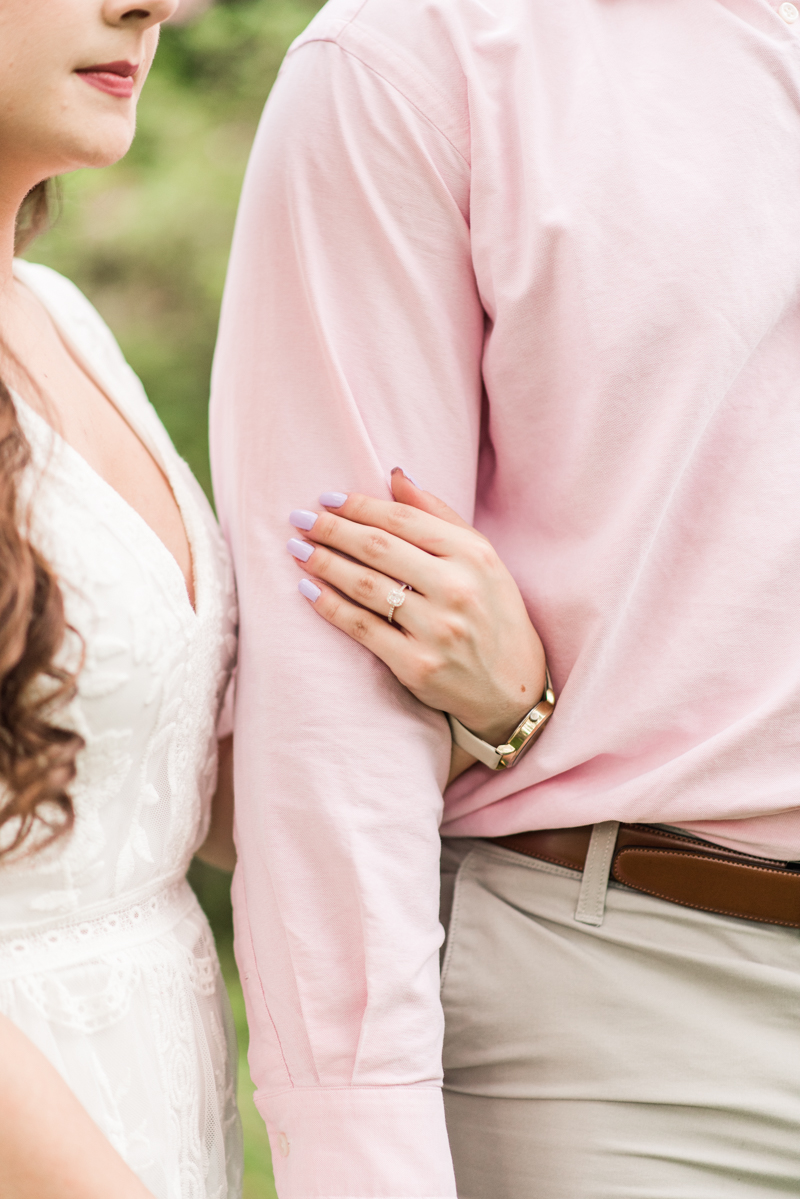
<point>545,257</point>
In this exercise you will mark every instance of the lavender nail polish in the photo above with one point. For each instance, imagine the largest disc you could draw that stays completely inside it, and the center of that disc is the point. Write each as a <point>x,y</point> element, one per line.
<point>299,549</point>
<point>332,499</point>
<point>307,588</point>
<point>301,519</point>
<point>410,478</point>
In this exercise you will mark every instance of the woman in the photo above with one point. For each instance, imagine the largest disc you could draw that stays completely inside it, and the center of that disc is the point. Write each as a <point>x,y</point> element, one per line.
<point>116,647</point>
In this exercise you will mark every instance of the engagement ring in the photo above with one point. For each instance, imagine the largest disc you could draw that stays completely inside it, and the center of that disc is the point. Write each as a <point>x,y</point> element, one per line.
<point>396,597</point>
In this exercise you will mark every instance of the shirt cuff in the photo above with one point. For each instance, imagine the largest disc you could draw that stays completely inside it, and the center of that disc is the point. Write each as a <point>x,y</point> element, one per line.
<point>359,1143</point>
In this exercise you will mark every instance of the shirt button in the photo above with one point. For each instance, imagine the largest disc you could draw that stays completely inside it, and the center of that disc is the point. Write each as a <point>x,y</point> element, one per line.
<point>283,1144</point>
<point>789,13</point>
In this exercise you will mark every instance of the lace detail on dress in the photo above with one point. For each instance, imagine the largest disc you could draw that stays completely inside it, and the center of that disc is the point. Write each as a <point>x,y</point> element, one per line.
<point>177,1052</point>
<point>100,933</point>
<point>106,961</point>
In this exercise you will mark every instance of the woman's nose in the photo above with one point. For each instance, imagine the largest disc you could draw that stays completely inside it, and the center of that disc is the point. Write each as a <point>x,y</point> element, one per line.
<point>144,14</point>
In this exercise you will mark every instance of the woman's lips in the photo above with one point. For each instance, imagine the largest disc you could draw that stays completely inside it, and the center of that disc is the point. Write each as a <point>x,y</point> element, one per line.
<point>115,78</point>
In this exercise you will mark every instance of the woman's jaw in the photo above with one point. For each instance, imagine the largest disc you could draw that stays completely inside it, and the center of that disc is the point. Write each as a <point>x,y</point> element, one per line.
<point>71,72</point>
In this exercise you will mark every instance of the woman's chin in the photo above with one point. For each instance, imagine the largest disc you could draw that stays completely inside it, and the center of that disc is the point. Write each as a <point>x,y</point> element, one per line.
<point>106,156</point>
<point>96,147</point>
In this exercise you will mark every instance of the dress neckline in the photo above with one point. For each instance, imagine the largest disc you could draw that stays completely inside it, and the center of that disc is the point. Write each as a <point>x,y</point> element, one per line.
<point>110,389</point>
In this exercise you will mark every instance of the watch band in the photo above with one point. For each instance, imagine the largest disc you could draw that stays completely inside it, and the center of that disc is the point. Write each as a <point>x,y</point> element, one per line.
<point>502,757</point>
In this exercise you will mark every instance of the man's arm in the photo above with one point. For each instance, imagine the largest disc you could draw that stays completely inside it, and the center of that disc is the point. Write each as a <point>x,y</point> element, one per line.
<point>351,342</point>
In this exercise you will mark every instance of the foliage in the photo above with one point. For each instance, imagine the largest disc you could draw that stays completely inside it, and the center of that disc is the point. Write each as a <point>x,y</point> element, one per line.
<point>148,240</point>
<point>213,890</point>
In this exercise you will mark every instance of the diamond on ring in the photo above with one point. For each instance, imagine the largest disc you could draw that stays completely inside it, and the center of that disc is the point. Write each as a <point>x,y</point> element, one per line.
<point>396,597</point>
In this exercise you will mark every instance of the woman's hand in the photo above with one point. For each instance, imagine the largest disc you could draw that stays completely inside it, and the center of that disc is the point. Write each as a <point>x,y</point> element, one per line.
<point>462,640</point>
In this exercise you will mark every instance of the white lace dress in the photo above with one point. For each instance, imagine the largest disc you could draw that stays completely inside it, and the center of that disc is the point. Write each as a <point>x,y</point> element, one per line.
<point>106,961</point>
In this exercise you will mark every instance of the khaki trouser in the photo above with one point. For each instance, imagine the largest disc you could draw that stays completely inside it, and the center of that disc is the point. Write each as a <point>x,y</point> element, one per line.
<point>655,1056</point>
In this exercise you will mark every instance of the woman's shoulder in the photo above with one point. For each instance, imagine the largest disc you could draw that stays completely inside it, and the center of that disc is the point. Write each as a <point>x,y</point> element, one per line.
<point>83,327</point>
<point>43,279</point>
<point>72,311</point>
<point>85,330</point>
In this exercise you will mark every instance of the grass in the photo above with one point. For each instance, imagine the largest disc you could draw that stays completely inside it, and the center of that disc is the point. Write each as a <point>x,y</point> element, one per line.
<point>213,891</point>
<point>258,1180</point>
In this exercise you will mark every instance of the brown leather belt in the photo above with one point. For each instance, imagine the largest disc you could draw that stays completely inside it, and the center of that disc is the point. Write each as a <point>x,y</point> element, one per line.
<point>680,869</point>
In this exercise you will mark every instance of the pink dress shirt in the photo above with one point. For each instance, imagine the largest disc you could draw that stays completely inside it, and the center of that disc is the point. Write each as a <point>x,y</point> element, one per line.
<point>546,258</point>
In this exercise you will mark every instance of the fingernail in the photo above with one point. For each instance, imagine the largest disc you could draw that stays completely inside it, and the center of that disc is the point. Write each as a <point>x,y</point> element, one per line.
<point>299,549</point>
<point>307,588</point>
<point>410,478</point>
<point>332,499</point>
<point>301,519</point>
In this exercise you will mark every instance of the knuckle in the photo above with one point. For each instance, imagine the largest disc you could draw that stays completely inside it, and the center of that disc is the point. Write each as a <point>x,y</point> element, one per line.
<point>324,527</point>
<point>424,671</point>
<point>485,557</point>
<point>452,630</point>
<point>365,586</point>
<point>398,517</point>
<point>357,506</point>
<point>359,628</point>
<point>459,595</point>
<point>321,563</point>
<point>377,544</point>
<point>330,606</point>
<point>480,553</point>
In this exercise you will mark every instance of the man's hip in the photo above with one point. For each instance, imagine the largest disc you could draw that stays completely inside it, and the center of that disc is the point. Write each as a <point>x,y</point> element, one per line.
<point>660,1008</point>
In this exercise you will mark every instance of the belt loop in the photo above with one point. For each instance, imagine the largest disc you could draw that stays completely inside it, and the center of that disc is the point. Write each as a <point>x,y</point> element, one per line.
<point>594,884</point>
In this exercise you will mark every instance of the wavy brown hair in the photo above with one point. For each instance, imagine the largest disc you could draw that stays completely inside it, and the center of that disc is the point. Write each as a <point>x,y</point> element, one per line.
<point>37,756</point>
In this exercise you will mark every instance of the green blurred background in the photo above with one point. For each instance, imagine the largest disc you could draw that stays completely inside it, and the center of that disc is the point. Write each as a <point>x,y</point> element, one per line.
<point>148,241</point>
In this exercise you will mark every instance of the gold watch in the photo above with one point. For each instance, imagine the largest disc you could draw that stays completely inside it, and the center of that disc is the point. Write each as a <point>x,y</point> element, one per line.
<point>502,757</point>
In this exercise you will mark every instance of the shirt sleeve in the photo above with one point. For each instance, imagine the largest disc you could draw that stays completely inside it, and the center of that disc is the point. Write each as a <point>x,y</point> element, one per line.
<point>351,343</point>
